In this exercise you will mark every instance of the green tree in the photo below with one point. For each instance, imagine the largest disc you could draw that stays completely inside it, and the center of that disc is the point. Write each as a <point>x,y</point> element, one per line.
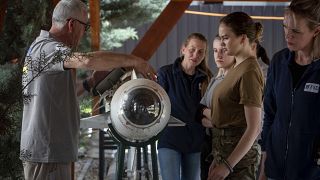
<point>121,17</point>
<point>23,21</point>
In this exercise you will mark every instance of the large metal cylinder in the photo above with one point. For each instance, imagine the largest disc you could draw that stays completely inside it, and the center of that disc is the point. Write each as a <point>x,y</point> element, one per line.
<point>140,109</point>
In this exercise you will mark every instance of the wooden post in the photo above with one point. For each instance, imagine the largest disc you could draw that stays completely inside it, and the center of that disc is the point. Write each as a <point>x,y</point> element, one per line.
<point>95,24</point>
<point>95,37</point>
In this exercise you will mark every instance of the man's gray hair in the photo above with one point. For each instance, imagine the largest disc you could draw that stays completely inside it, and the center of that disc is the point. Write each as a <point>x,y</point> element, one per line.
<point>66,9</point>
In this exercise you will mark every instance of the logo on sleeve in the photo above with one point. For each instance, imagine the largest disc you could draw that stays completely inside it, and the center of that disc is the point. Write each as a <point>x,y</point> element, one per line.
<point>311,87</point>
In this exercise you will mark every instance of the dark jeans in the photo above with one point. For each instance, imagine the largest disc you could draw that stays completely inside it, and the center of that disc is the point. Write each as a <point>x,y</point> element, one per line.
<point>206,157</point>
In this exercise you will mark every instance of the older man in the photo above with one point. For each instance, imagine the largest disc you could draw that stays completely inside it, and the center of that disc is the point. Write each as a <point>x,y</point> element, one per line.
<point>50,125</point>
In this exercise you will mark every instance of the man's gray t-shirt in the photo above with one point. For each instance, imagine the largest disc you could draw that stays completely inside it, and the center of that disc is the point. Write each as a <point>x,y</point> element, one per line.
<point>50,124</point>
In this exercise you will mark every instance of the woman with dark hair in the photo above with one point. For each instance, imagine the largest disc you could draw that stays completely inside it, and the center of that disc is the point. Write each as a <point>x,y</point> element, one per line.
<point>236,102</point>
<point>185,81</point>
<point>291,128</point>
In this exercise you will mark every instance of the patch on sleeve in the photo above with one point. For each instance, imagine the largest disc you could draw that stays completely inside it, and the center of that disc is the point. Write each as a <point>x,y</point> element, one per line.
<point>311,87</point>
<point>25,155</point>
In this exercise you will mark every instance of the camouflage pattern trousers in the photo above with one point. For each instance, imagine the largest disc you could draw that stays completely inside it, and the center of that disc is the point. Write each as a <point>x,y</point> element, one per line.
<point>224,142</point>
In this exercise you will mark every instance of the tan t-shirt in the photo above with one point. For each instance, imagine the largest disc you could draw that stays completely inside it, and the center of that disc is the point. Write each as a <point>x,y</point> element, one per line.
<point>243,85</point>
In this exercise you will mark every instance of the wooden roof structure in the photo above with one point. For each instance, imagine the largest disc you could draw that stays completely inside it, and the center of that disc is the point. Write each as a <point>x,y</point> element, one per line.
<point>157,32</point>
<point>153,37</point>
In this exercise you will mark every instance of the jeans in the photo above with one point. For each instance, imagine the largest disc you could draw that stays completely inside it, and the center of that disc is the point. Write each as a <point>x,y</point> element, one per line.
<point>172,161</point>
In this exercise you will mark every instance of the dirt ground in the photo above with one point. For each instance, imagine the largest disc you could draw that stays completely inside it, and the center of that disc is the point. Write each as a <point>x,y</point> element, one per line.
<point>88,168</point>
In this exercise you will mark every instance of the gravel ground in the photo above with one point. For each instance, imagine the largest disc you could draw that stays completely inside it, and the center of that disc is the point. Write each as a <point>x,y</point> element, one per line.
<point>88,168</point>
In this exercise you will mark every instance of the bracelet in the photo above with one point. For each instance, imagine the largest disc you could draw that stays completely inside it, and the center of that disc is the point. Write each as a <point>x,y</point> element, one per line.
<point>228,165</point>
<point>85,85</point>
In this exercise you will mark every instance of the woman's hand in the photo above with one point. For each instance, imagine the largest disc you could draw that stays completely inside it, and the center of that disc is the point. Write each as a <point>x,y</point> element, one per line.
<point>207,113</point>
<point>206,122</point>
<point>219,172</point>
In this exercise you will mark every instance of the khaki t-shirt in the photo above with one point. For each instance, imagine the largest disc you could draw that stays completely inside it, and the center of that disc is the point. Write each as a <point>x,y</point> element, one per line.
<point>243,85</point>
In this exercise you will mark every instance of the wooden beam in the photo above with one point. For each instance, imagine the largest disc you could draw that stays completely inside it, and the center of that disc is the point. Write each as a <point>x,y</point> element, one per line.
<point>160,29</point>
<point>3,9</point>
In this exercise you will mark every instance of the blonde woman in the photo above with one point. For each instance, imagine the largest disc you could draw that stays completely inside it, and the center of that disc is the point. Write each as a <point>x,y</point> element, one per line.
<point>291,135</point>
<point>185,82</point>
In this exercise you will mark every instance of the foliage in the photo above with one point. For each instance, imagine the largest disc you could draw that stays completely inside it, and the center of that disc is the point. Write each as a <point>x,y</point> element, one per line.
<point>114,38</point>
<point>120,18</point>
<point>23,21</point>
<point>132,13</point>
<point>9,106</point>
<point>10,115</point>
<point>85,106</point>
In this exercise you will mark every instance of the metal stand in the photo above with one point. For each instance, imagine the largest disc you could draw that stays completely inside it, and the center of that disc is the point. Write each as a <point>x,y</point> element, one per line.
<point>105,142</point>
<point>124,144</point>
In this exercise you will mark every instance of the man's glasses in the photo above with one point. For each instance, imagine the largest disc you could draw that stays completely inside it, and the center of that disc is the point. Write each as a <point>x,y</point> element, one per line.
<point>86,25</point>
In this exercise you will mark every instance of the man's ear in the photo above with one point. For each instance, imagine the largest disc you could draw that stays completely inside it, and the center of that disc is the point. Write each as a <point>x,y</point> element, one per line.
<point>317,31</point>
<point>70,25</point>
